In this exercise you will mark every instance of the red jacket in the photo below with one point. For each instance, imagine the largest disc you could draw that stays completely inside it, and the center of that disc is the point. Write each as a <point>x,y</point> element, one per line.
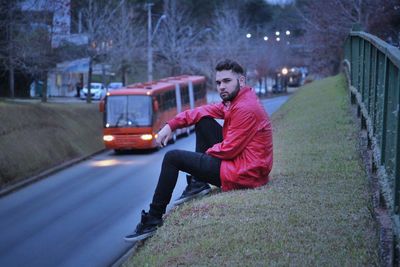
<point>246,149</point>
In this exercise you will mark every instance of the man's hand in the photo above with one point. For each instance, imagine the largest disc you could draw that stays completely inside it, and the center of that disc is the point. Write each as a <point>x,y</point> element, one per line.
<point>164,135</point>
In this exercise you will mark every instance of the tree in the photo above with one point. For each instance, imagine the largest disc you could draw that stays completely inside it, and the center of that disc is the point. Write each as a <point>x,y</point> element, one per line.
<point>128,44</point>
<point>385,21</point>
<point>8,20</point>
<point>257,14</point>
<point>98,16</point>
<point>37,56</point>
<point>227,40</point>
<point>177,38</point>
<point>327,23</point>
<point>28,43</point>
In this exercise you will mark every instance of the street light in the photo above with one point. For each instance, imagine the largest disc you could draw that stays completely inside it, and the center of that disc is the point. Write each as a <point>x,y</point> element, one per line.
<point>150,36</point>
<point>288,32</point>
<point>285,72</point>
<point>265,38</point>
<point>248,35</point>
<point>277,33</point>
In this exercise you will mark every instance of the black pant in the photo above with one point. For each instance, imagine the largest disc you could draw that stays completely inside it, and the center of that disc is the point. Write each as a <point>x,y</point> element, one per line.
<point>202,166</point>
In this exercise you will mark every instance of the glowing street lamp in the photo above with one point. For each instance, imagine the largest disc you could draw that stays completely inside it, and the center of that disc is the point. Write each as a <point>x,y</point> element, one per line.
<point>265,38</point>
<point>278,39</point>
<point>285,72</point>
<point>277,33</point>
<point>248,35</point>
<point>288,32</point>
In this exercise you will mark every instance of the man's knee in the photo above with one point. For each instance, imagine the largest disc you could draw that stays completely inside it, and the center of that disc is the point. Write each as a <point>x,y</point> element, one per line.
<point>172,155</point>
<point>204,123</point>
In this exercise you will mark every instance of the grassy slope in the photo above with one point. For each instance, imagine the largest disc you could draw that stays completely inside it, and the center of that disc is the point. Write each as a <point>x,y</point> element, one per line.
<point>35,136</point>
<point>315,211</point>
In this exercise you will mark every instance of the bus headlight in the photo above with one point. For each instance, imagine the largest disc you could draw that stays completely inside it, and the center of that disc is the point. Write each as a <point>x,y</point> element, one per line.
<point>146,137</point>
<point>108,138</point>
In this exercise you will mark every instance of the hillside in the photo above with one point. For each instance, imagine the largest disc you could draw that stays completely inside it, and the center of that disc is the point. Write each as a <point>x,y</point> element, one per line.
<point>314,212</point>
<point>37,136</point>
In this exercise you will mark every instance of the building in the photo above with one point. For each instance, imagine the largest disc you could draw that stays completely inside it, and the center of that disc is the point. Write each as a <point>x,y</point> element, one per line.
<point>64,78</point>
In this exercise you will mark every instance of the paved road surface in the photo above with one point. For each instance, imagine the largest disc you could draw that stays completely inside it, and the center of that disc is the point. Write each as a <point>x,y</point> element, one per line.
<point>78,217</point>
<point>273,104</point>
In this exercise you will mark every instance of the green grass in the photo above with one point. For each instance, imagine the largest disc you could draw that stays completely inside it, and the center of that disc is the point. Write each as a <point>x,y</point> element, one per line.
<point>314,212</point>
<point>37,136</point>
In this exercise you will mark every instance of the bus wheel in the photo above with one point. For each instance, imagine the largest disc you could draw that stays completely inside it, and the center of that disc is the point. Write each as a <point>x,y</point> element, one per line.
<point>187,132</point>
<point>173,139</point>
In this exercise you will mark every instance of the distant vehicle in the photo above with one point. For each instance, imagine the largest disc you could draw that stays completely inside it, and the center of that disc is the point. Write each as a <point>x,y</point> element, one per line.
<point>304,71</point>
<point>295,77</point>
<point>114,85</point>
<point>97,91</point>
<point>134,114</point>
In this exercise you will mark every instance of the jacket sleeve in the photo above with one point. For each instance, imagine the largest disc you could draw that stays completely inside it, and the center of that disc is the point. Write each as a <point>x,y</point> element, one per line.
<point>192,116</point>
<point>241,131</point>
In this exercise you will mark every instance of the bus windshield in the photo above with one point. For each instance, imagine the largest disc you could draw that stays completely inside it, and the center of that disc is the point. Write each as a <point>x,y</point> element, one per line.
<point>128,111</point>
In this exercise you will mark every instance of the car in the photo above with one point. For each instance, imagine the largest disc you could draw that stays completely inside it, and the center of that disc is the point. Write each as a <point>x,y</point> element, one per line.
<point>294,77</point>
<point>114,85</point>
<point>97,91</point>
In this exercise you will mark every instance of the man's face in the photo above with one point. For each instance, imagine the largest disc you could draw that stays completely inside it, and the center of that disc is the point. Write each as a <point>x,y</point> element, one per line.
<point>228,84</point>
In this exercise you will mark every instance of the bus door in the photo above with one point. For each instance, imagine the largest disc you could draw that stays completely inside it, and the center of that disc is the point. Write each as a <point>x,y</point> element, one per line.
<point>178,98</point>
<point>191,95</point>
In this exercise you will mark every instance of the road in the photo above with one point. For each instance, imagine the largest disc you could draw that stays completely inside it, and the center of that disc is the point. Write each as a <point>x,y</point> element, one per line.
<point>79,216</point>
<point>273,104</point>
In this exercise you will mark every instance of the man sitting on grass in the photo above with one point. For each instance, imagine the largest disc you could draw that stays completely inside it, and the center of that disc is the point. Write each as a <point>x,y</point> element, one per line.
<point>235,156</point>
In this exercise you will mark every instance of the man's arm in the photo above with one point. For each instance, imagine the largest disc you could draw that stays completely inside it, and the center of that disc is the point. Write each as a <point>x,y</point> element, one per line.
<point>192,116</point>
<point>242,130</point>
<point>186,118</point>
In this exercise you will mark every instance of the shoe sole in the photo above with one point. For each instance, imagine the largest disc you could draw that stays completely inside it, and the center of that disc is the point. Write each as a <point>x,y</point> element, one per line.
<point>200,194</point>
<point>138,238</point>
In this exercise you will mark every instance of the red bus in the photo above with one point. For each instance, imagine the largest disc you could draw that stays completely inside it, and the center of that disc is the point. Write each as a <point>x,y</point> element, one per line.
<point>134,114</point>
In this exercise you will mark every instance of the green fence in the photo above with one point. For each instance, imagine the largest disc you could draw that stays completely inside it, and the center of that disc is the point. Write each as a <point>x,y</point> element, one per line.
<point>375,84</point>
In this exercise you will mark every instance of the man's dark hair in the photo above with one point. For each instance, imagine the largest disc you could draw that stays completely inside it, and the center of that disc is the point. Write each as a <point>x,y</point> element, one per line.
<point>228,64</point>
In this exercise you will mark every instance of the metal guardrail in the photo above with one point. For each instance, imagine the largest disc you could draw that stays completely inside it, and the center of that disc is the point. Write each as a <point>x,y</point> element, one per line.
<point>374,78</point>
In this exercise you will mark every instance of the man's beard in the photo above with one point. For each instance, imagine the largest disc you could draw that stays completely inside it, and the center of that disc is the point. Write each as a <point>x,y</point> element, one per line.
<point>232,95</point>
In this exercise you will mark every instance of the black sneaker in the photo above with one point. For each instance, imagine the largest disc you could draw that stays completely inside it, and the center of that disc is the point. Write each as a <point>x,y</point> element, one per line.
<point>146,228</point>
<point>193,189</point>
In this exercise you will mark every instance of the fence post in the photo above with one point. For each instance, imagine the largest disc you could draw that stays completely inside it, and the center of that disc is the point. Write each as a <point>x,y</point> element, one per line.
<point>375,90</point>
<point>355,62</point>
<point>384,110</point>
<point>361,83</point>
<point>397,173</point>
<point>397,154</point>
<point>352,62</point>
<point>368,70</point>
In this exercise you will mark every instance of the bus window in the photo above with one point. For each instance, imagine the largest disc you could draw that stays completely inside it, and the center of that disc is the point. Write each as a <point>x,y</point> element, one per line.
<point>155,104</point>
<point>199,91</point>
<point>160,102</point>
<point>128,111</point>
<point>168,100</point>
<point>185,95</point>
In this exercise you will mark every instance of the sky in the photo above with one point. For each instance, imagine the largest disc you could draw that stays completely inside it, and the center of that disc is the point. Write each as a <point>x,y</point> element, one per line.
<point>279,1</point>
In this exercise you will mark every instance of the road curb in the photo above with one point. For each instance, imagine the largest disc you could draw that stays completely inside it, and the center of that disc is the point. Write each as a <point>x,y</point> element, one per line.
<point>25,182</point>
<point>126,255</point>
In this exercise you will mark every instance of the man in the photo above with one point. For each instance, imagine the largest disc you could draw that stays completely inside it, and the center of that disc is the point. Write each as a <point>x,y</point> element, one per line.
<point>235,156</point>
<point>78,89</point>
